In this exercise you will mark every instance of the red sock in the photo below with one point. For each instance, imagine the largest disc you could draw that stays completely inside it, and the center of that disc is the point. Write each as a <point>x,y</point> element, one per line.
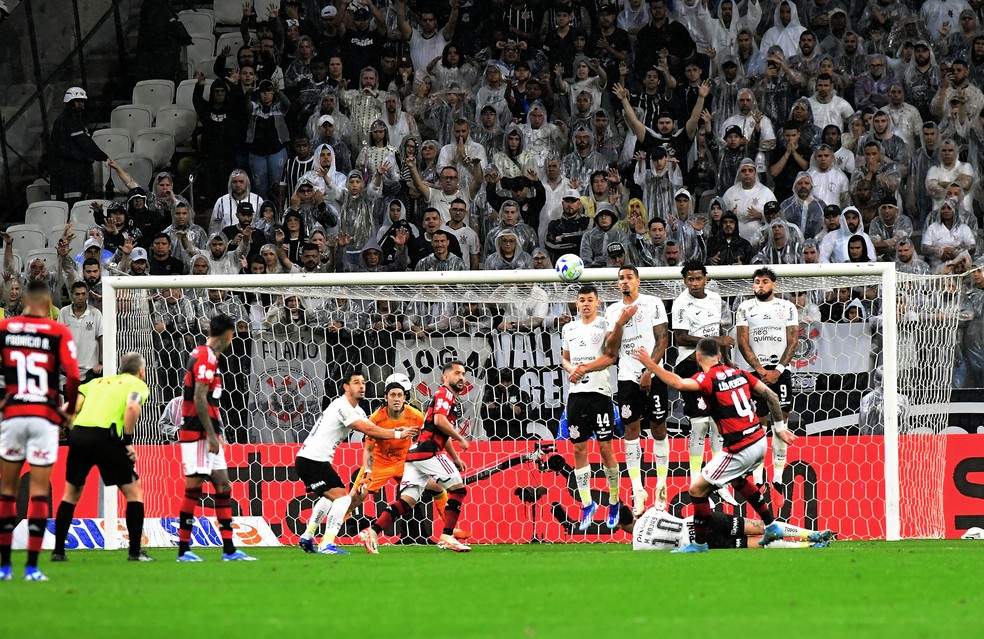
<point>702,518</point>
<point>453,509</point>
<point>37,518</point>
<point>394,511</point>
<point>223,513</point>
<point>753,496</point>
<point>186,518</point>
<point>8,519</point>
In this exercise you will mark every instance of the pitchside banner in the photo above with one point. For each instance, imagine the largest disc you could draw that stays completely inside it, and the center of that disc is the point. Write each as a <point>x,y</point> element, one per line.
<point>521,491</point>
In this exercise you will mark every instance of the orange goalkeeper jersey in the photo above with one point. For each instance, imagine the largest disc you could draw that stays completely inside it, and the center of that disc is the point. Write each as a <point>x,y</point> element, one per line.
<point>391,453</point>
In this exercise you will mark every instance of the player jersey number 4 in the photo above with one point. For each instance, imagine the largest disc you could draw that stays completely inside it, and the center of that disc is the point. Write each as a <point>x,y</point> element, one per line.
<point>728,393</point>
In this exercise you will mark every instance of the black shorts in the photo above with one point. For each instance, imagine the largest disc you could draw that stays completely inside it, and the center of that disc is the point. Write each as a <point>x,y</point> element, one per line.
<point>318,477</point>
<point>634,404</point>
<point>727,531</point>
<point>99,447</point>
<point>693,403</point>
<point>590,413</point>
<point>783,388</point>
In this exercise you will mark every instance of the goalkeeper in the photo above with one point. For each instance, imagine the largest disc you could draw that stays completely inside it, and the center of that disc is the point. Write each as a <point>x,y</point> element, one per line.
<point>102,436</point>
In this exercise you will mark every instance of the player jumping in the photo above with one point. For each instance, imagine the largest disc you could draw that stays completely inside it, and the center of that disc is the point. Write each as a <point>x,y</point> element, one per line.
<point>727,392</point>
<point>427,461</point>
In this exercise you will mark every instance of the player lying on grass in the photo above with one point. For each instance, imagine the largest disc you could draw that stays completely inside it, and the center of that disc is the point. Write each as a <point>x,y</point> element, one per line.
<point>727,392</point>
<point>659,530</point>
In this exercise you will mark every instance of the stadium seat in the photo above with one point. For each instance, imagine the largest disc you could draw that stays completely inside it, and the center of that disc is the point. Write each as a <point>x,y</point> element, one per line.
<point>201,47</point>
<point>113,142</point>
<point>232,40</point>
<point>82,212</point>
<point>27,237</point>
<point>131,117</point>
<point>157,144</point>
<point>197,22</point>
<point>140,168</point>
<point>229,12</point>
<point>47,255</point>
<point>40,191</point>
<point>207,66</point>
<point>179,120</point>
<point>154,94</point>
<point>186,90</point>
<point>46,214</point>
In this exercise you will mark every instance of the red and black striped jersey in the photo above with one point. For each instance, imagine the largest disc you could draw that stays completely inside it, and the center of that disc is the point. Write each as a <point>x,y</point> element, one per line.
<point>33,351</point>
<point>728,393</point>
<point>202,368</point>
<point>432,439</point>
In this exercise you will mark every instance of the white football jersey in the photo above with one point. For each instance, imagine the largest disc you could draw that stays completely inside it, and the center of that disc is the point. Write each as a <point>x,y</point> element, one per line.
<point>331,429</point>
<point>636,334</point>
<point>767,322</point>
<point>699,317</point>
<point>659,530</point>
<point>586,343</point>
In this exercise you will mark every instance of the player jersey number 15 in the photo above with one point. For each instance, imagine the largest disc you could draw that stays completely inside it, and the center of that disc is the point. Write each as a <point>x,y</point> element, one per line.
<point>32,376</point>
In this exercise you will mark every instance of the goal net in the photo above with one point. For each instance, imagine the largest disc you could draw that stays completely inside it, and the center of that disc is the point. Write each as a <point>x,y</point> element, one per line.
<point>871,383</point>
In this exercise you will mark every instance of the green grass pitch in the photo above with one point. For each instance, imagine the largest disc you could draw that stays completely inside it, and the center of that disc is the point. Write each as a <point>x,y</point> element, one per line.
<point>852,589</point>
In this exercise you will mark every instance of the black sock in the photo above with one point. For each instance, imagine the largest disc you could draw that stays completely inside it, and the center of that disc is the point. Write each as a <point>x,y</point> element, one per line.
<point>63,521</point>
<point>134,525</point>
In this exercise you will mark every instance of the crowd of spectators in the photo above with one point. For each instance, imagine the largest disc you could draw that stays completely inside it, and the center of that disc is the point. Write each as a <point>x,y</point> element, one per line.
<point>395,135</point>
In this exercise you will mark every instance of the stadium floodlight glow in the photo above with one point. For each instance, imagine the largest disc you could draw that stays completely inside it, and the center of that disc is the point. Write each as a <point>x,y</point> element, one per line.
<point>909,484</point>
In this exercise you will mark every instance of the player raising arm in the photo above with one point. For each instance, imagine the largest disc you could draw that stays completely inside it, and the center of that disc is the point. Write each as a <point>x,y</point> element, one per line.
<point>768,333</point>
<point>33,348</point>
<point>314,461</point>
<point>427,461</point>
<point>726,391</point>
<point>589,401</point>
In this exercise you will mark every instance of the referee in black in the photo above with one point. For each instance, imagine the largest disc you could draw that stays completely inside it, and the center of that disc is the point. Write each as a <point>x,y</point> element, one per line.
<point>102,436</point>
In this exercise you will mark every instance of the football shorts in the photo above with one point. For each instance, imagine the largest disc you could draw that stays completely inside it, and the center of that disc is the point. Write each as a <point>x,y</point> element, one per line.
<point>634,404</point>
<point>318,477</point>
<point>783,388</point>
<point>34,439</point>
<point>693,403</point>
<point>590,414</point>
<point>417,474</point>
<point>198,462</point>
<point>727,531</point>
<point>99,447</point>
<point>726,466</point>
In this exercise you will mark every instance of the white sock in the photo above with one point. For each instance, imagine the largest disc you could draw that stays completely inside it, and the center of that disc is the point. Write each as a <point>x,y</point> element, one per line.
<point>778,458</point>
<point>698,432</point>
<point>633,463</point>
<point>661,450</point>
<point>784,543</point>
<point>582,476</point>
<point>717,439</point>
<point>335,518</point>
<point>318,513</point>
<point>758,475</point>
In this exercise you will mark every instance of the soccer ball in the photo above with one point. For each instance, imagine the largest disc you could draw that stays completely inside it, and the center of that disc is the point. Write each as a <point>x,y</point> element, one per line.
<point>569,267</point>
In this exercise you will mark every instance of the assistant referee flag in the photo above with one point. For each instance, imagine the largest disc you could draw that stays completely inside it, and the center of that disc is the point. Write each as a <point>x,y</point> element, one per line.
<point>106,399</point>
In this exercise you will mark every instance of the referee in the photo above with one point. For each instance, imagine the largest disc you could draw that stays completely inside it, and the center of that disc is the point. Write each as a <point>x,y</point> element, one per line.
<point>102,436</point>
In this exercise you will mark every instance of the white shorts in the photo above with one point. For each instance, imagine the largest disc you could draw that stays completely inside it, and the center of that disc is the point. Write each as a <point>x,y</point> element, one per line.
<point>726,467</point>
<point>32,438</point>
<point>416,475</point>
<point>196,459</point>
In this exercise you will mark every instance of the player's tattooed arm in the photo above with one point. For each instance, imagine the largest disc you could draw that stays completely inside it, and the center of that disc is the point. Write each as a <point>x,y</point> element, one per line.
<point>746,351</point>
<point>668,377</point>
<point>662,336</point>
<point>792,341</point>
<point>369,455</point>
<point>775,412</point>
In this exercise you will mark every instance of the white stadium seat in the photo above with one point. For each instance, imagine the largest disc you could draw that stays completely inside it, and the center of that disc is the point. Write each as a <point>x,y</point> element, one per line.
<point>27,237</point>
<point>201,47</point>
<point>131,117</point>
<point>47,255</point>
<point>140,168</point>
<point>179,120</point>
<point>46,214</point>
<point>40,191</point>
<point>197,22</point>
<point>113,142</point>
<point>153,94</point>
<point>157,144</point>
<point>233,40</point>
<point>187,89</point>
<point>229,12</point>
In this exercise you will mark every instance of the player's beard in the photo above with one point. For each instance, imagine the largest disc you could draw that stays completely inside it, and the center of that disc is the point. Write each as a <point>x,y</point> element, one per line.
<point>763,297</point>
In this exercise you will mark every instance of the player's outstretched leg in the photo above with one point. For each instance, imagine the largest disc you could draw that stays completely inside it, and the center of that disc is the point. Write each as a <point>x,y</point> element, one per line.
<point>612,475</point>
<point>456,495</point>
<point>633,466</point>
<point>700,489</point>
<point>695,445</point>
<point>393,512</point>
<point>773,531</point>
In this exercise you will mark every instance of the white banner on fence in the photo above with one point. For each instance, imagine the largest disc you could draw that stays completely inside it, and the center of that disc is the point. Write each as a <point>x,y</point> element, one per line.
<point>287,382</point>
<point>158,532</point>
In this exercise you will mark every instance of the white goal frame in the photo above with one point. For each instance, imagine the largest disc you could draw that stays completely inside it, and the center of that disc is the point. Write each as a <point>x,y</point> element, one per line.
<point>885,271</point>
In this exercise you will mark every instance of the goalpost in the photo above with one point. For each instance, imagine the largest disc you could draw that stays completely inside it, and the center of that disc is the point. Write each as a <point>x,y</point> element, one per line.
<point>861,465</point>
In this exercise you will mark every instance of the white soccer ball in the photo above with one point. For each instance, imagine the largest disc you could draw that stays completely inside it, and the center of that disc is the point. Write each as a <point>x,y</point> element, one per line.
<point>569,267</point>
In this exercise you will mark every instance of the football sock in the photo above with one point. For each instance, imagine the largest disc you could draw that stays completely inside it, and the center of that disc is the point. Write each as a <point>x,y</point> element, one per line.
<point>37,519</point>
<point>63,521</point>
<point>717,439</point>
<point>633,461</point>
<point>335,518</point>
<point>613,476</point>
<point>134,524</point>
<point>440,503</point>
<point>778,458</point>
<point>661,450</point>
<point>186,518</point>
<point>318,513</point>
<point>758,475</point>
<point>702,518</point>
<point>789,530</point>
<point>453,510</point>
<point>8,519</point>
<point>393,512</point>
<point>223,514</point>
<point>783,543</point>
<point>698,432</point>
<point>754,497</point>
<point>582,476</point>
